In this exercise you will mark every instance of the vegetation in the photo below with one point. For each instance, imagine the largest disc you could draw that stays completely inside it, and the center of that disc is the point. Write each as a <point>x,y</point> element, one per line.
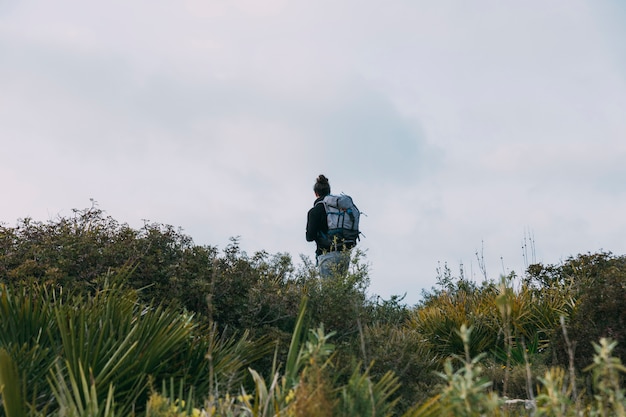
<point>100,319</point>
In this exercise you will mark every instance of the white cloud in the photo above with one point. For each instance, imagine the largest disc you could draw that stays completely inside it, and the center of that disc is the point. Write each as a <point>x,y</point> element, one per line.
<point>452,125</point>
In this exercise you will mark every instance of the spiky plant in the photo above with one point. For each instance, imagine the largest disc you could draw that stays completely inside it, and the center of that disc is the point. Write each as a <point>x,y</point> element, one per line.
<point>439,321</point>
<point>10,387</point>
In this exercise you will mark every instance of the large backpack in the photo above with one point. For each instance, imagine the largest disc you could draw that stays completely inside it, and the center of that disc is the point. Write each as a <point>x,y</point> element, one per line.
<point>342,216</point>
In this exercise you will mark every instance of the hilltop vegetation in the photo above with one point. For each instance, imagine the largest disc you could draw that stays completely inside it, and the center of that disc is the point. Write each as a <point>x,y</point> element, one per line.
<point>98,318</point>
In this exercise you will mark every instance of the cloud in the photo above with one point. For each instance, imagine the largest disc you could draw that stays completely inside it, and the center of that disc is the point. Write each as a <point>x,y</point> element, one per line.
<point>451,125</point>
<point>361,131</point>
<point>99,105</point>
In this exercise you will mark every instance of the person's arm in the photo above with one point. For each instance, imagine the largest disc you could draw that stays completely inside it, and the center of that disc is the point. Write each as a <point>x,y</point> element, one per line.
<point>314,220</point>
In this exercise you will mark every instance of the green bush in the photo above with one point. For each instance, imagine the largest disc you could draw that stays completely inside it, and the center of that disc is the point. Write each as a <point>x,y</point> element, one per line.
<point>87,298</point>
<point>595,284</point>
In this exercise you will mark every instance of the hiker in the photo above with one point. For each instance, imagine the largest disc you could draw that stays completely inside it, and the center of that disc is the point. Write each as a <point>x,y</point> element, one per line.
<point>333,256</point>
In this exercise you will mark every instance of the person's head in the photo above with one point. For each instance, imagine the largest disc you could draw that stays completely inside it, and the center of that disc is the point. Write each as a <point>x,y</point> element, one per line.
<point>321,187</point>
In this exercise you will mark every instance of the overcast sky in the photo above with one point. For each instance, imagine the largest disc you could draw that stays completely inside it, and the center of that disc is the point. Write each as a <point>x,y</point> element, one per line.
<point>457,126</point>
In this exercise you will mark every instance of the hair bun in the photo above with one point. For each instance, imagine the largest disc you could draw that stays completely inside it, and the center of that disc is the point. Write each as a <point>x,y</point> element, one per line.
<point>321,187</point>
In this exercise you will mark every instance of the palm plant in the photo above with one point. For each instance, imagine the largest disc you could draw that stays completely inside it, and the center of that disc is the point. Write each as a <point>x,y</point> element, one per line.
<point>115,340</point>
<point>439,321</point>
<point>363,397</point>
<point>118,340</point>
<point>78,398</point>
<point>25,335</point>
<point>10,387</point>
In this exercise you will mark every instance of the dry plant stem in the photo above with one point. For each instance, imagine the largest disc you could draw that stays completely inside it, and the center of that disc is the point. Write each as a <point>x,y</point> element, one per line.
<point>212,291</point>
<point>481,260</point>
<point>362,339</point>
<point>504,305</point>
<point>572,371</point>
<point>507,371</point>
<point>209,299</point>
<point>529,380</point>
<point>529,241</point>
<point>361,333</point>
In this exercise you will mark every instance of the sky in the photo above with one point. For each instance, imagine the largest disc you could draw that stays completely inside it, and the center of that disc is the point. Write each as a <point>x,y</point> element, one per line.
<point>482,135</point>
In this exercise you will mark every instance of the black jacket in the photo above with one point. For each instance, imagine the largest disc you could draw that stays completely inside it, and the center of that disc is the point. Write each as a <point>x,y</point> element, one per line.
<point>316,223</point>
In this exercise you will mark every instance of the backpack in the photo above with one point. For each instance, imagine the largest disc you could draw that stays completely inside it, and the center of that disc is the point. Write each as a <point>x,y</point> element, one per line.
<point>342,216</point>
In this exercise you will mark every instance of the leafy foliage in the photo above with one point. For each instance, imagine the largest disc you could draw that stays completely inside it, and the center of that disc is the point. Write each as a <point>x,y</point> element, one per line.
<point>117,341</point>
<point>95,314</point>
<point>593,285</point>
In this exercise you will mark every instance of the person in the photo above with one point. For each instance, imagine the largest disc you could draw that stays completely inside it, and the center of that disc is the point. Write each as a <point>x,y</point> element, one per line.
<point>331,257</point>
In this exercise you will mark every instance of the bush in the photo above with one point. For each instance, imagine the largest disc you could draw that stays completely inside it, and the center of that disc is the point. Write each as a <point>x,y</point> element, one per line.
<point>596,285</point>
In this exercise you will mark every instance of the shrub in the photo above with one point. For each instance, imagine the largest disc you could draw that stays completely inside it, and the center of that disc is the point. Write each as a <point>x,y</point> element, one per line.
<point>595,285</point>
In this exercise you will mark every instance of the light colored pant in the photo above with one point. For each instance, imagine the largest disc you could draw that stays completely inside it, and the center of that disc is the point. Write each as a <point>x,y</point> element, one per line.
<point>332,263</point>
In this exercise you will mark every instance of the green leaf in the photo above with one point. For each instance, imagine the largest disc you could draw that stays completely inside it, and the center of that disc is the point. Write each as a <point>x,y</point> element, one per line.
<point>12,401</point>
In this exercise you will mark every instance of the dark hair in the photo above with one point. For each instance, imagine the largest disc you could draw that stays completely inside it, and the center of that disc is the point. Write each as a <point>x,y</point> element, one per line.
<point>321,187</point>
